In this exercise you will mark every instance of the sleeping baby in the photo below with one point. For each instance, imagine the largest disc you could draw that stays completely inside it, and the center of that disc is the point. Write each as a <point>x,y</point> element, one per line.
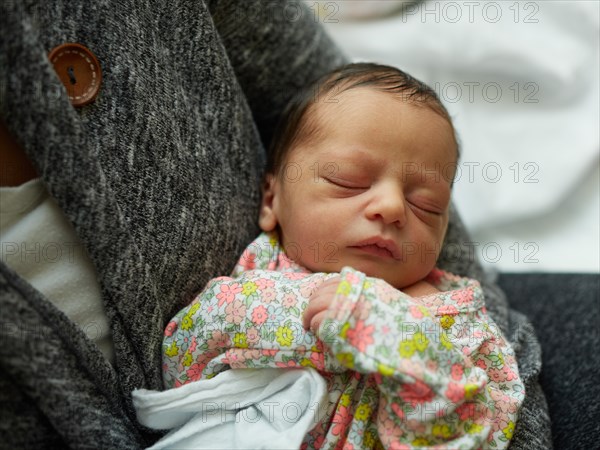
<point>343,278</point>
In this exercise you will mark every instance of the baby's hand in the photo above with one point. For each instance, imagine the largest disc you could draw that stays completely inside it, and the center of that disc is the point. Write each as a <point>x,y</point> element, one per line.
<point>319,303</point>
<point>419,289</point>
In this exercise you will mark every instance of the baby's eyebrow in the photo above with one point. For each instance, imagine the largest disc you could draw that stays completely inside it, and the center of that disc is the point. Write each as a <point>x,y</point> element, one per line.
<point>351,155</point>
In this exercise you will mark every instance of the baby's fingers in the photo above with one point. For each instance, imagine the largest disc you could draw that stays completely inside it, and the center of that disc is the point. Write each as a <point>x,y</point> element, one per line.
<point>319,303</point>
<point>317,307</point>
<point>316,320</point>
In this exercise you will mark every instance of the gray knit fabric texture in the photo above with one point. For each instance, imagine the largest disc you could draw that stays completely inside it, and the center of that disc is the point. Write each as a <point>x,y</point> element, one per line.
<point>160,178</point>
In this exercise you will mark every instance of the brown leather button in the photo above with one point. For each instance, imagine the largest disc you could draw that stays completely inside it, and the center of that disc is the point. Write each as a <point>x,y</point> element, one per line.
<point>79,71</point>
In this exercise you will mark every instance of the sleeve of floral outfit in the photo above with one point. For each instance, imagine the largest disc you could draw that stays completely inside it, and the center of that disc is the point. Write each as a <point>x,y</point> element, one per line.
<point>253,320</point>
<point>433,361</point>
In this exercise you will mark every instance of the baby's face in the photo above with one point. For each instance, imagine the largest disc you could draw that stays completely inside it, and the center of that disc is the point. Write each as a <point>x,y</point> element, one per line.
<point>372,192</point>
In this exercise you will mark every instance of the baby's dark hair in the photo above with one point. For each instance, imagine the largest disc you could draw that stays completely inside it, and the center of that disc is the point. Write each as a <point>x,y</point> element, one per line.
<point>297,125</point>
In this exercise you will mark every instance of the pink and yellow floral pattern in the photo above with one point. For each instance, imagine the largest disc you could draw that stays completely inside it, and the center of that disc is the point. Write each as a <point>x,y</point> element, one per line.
<point>402,372</point>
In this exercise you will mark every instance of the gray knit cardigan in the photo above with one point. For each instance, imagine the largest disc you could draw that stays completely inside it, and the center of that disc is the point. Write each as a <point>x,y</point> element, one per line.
<point>160,178</point>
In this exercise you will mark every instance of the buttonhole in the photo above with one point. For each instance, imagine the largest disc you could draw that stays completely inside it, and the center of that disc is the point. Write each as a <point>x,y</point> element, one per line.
<point>71,74</point>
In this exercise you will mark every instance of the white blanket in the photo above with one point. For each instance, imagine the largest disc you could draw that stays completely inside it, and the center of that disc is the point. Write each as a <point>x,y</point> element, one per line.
<point>247,408</point>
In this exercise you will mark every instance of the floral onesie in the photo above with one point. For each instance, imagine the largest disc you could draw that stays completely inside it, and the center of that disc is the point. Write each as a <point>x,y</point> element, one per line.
<point>402,372</point>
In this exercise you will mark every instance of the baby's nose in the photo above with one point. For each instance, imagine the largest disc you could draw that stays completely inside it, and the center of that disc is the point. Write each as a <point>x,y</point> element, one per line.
<point>388,205</point>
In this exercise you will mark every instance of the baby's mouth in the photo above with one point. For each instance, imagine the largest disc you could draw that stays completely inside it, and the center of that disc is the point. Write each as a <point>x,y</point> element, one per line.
<point>375,250</point>
<point>379,246</point>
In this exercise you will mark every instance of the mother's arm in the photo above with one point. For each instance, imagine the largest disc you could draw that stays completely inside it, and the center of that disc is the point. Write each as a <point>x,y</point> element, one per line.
<point>285,50</point>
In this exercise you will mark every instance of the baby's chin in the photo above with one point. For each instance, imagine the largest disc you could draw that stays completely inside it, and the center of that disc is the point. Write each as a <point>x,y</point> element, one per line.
<point>399,276</point>
<point>393,280</point>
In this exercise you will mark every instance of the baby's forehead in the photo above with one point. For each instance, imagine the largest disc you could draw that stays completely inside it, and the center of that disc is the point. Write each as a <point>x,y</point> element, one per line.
<point>326,111</point>
<point>344,97</point>
<point>343,101</point>
<point>330,113</point>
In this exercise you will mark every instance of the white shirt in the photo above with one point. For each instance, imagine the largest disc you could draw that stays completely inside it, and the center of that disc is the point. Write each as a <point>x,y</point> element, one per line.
<point>40,244</point>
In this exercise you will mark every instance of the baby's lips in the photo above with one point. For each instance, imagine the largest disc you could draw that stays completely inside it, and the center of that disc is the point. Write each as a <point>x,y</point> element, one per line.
<point>379,242</point>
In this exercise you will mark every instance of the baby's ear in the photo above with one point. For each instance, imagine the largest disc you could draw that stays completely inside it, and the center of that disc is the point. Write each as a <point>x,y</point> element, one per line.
<point>267,219</point>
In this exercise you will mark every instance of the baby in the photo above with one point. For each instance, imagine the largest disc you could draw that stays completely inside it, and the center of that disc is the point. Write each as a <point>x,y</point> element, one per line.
<point>354,213</point>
